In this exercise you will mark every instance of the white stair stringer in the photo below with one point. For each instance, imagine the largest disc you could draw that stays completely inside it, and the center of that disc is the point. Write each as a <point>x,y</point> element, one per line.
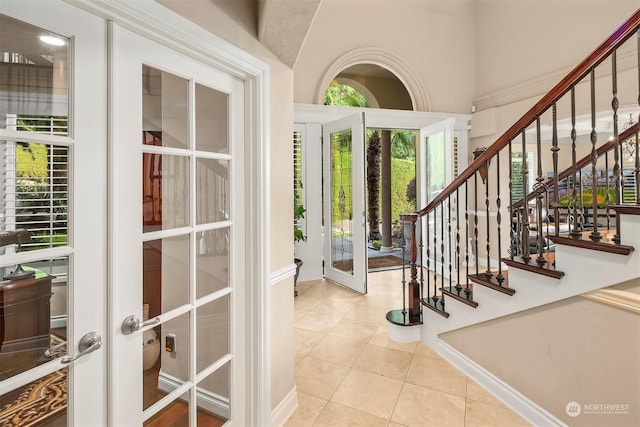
<point>585,271</point>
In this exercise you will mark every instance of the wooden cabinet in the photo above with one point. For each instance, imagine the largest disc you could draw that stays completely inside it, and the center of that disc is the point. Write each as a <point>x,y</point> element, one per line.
<point>25,314</point>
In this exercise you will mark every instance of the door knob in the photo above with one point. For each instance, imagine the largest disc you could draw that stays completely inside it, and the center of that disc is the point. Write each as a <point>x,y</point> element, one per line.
<point>89,343</point>
<point>133,323</point>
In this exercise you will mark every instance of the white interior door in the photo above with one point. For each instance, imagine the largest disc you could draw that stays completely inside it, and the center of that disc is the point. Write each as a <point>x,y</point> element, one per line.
<point>177,234</point>
<point>437,163</point>
<point>345,244</point>
<point>53,184</point>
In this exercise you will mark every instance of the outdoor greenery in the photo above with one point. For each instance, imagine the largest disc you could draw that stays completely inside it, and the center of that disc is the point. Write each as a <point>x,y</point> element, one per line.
<point>343,95</point>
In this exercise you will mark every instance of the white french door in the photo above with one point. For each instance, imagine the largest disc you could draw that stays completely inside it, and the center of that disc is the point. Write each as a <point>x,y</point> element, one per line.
<point>177,221</point>
<point>53,167</point>
<point>437,166</point>
<point>345,243</point>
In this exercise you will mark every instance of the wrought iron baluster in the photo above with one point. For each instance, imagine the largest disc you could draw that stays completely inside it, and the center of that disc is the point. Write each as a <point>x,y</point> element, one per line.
<point>500,276</point>
<point>524,240</point>
<point>512,233</point>
<point>487,203</point>
<point>457,199</point>
<point>540,190</point>
<point>421,247</point>
<point>576,224</point>
<point>607,198</point>
<point>555,149</point>
<point>467,291</point>
<point>449,237</point>
<point>595,234</point>
<point>442,240</point>
<point>617,149</point>
<point>435,255</point>
<point>475,217</point>
<point>428,258</point>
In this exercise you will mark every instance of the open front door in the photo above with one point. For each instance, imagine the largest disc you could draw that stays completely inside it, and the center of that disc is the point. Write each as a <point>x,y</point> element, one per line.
<point>345,243</point>
<point>437,170</point>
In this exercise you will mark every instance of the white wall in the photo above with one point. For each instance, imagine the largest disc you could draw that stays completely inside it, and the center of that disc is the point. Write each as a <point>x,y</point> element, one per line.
<point>574,350</point>
<point>433,39</point>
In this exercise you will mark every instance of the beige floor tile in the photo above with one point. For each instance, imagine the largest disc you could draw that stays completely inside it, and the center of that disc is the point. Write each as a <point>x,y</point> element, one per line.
<point>384,361</point>
<point>338,350</point>
<point>345,296</point>
<point>423,350</point>
<point>354,330</point>
<point>386,301</point>
<point>303,302</point>
<point>309,407</point>
<point>319,378</point>
<point>369,393</point>
<point>305,340</point>
<point>334,415</point>
<point>319,321</point>
<point>382,339</point>
<point>368,313</point>
<point>418,406</point>
<point>436,374</point>
<point>479,394</point>
<point>338,305</point>
<point>392,424</point>
<point>480,414</point>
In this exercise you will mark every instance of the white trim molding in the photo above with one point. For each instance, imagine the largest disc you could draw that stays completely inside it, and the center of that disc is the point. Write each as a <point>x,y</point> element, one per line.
<point>285,408</point>
<point>621,299</point>
<point>282,274</point>
<point>207,400</point>
<point>384,59</point>
<point>519,403</point>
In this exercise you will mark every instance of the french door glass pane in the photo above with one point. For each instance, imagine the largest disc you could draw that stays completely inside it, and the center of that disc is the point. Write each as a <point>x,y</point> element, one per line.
<point>211,120</point>
<point>212,261</point>
<point>165,371</point>
<point>341,201</point>
<point>165,100</point>
<point>165,274</point>
<point>165,191</point>
<point>34,78</point>
<point>212,330</point>
<point>212,190</point>
<point>214,406</point>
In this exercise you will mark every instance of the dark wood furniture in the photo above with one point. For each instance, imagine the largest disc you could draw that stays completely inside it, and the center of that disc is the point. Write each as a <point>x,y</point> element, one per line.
<point>25,314</point>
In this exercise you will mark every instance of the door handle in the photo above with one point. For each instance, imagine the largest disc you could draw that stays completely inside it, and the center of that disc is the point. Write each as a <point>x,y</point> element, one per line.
<point>89,343</point>
<point>133,323</point>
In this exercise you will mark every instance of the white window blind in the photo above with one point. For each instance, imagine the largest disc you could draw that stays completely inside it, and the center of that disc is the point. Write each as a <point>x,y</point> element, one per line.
<point>34,180</point>
<point>297,174</point>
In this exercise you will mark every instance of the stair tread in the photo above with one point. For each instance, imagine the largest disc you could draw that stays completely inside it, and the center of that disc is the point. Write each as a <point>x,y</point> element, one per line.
<point>460,295</point>
<point>547,269</point>
<point>490,280</point>
<point>436,306</point>
<point>583,241</point>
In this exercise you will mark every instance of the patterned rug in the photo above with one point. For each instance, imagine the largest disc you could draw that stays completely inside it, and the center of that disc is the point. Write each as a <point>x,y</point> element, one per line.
<point>39,401</point>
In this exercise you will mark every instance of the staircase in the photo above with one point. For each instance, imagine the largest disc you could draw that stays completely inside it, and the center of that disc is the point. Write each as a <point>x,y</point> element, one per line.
<point>505,237</point>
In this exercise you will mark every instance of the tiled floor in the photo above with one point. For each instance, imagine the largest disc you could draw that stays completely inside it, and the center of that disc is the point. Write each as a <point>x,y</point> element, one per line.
<point>348,372</point>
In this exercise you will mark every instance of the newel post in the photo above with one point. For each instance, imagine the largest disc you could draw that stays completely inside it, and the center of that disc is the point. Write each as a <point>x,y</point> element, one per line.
<point>414,285</point>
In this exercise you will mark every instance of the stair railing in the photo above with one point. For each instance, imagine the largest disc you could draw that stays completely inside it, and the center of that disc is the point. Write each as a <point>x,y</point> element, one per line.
<point>464,210</point>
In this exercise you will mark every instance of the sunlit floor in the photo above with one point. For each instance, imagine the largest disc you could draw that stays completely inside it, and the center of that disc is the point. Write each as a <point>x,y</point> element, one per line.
<point>349,373</point>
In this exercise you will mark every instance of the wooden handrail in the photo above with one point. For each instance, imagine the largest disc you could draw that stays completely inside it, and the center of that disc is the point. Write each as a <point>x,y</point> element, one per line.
<point>586,160</point>
<point>602,52</point>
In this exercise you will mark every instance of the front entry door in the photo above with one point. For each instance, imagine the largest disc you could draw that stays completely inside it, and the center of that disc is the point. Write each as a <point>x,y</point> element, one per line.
<point>437,167</point>
<point>176,170</point>
<point>345,242</point>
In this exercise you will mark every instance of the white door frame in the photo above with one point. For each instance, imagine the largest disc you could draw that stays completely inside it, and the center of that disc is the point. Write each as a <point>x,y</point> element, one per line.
<point>154,21</point>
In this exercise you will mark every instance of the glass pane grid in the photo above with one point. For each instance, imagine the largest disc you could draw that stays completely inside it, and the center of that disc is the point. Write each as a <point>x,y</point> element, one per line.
<point>342,201</point>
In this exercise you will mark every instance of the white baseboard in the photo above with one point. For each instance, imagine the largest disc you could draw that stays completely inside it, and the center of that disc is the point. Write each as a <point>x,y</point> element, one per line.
<point>502,391</point>
<point>209,401</point>
<point>58,322</point>
<point>285,408</point>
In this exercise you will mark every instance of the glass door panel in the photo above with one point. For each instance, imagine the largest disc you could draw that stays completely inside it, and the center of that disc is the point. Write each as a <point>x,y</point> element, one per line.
<point>345,240</point>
